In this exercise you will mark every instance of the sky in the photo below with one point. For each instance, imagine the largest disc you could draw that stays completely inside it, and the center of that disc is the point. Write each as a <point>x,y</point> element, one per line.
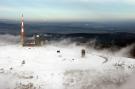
<point>68,10</point>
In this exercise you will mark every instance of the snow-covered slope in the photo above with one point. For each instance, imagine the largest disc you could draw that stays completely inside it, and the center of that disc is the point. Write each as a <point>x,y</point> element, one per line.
<point>44,68</point>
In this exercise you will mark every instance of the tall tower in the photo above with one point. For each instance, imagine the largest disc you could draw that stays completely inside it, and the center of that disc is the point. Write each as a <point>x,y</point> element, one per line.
<point>22,30</point>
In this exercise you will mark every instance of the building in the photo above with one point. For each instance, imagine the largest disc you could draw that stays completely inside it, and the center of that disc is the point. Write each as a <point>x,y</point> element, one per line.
<point>36,40</point>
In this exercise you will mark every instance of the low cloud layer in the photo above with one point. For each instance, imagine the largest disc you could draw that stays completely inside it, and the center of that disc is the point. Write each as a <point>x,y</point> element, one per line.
<point>42,67</point>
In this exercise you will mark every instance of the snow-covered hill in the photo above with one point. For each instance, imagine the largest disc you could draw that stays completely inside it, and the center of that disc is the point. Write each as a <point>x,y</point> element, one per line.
<point>45,68</point>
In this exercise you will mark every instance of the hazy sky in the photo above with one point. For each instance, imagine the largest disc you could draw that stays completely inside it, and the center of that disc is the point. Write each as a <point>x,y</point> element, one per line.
<point>68,10</point>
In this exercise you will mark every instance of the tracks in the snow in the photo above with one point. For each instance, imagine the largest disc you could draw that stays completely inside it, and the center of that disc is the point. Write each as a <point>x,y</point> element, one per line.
<point>106,59</point>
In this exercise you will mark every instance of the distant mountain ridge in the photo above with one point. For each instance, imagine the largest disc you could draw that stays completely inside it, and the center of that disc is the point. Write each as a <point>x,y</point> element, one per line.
<point>66,28</point>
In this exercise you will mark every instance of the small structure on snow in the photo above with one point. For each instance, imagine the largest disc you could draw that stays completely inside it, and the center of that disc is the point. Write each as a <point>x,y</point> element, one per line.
<point>83,52</point>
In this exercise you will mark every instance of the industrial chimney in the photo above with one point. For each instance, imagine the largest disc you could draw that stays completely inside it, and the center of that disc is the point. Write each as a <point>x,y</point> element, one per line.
<point>22,30</point>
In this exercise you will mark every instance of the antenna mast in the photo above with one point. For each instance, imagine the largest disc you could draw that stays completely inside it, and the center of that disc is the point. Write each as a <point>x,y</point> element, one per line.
<point>22,30</point>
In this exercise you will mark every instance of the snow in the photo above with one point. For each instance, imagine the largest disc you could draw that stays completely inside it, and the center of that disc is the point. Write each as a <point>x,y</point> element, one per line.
<point>44,68</point>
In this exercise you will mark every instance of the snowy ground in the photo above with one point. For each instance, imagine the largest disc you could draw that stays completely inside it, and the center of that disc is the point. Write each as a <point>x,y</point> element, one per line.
<point>44,68</point>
